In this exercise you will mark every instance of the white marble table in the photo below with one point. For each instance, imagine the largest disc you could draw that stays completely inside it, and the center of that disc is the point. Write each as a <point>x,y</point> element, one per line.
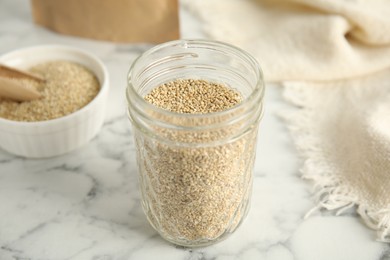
<point>86,204</point>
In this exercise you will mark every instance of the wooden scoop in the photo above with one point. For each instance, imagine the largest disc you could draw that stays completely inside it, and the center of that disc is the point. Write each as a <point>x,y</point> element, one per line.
<point>11,88</point>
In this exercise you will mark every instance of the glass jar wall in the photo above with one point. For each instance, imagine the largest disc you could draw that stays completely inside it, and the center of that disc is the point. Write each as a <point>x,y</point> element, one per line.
<point>195,170</point>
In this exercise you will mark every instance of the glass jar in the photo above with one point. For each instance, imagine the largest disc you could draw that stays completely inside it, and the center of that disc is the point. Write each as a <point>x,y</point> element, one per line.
<point>195,170</point>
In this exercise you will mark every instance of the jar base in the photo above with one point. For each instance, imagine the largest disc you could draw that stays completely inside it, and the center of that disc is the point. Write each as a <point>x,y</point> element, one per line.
<point>201,242</point>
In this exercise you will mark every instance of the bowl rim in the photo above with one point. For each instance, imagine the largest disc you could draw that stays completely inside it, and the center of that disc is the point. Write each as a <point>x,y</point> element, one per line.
<point>57,47</point>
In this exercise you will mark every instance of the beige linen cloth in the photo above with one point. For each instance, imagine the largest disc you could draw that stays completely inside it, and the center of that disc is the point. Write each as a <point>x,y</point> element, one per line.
<point>333,57</point>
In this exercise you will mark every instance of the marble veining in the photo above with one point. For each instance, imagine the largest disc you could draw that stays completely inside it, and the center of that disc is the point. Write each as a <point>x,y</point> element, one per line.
<point>86,204</point>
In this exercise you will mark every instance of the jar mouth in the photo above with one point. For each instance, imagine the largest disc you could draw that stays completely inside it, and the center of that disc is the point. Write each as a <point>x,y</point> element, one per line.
<point>257,91</point>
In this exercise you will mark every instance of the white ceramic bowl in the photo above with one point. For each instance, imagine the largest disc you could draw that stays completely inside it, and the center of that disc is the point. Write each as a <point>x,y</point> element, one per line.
<point>64,134</point>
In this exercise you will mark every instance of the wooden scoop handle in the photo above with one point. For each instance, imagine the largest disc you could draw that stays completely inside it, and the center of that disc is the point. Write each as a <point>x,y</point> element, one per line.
<point>9,72</point>
<point>11,89</point>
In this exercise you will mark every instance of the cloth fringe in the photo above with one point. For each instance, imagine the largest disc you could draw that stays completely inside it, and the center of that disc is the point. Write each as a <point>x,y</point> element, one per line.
<point>331,193</point>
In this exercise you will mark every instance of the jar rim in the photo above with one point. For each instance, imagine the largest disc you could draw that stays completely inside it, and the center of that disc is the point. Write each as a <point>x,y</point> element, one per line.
<point>186,42</point>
